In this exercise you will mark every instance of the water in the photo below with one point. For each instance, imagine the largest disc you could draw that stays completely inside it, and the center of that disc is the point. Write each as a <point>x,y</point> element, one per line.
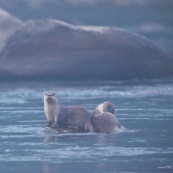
<point>145,144</point>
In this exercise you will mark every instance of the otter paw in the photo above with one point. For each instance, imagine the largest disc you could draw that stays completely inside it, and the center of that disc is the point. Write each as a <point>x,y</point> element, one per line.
<point>54,125</point>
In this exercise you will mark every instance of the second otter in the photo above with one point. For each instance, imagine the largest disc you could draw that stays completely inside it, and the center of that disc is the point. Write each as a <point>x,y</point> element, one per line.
<point>104,107</point>
<point>103,118</point>
<point>74,117</point>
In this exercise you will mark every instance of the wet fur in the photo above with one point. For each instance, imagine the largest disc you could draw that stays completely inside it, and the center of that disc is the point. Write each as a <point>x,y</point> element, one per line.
<point>105,123</point>
<point>103,119</point>
<point>51,109</point>
<point>72,117</point>
<point>75,117</point>
<point>104,107</point>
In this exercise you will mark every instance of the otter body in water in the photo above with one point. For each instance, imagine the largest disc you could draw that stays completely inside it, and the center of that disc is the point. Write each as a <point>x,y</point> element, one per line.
<point>74,117</point>
<point>103,118</point>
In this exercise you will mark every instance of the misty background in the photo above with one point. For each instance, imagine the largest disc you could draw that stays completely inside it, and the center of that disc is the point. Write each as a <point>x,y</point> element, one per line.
<point>151,18</point>
<point>39,29</point>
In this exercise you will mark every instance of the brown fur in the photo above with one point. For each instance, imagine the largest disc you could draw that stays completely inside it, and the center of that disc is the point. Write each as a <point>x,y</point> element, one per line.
<point>103,118</point>
<point>105,122</point>
<point>71,117</point>
<point>77,117</point>
<point>104,107</point>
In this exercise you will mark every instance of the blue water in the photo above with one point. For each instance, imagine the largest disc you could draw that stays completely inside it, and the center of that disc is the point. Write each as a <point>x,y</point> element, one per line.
<point>145,144</point>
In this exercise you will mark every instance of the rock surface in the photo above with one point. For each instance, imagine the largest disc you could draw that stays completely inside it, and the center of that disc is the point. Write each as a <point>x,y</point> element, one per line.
<point>8,25</point>
<point>52,49</point>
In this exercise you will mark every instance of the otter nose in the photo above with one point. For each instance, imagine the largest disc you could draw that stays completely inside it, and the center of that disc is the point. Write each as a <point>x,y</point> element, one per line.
<point>49,95</point>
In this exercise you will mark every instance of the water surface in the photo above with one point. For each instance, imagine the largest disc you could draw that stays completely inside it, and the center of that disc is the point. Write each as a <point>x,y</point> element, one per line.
<point>145,144</point>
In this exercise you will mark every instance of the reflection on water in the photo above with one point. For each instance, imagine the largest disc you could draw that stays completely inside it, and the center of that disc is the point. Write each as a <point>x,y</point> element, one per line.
<point>142,145</point>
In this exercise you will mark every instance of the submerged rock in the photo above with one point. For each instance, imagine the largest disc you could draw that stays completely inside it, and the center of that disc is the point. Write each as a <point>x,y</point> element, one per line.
<point>59,130</point>
<point>53,49</point>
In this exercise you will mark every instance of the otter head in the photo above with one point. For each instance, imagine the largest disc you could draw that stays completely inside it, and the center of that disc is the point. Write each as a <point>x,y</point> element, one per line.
<point>50,97</point>
<point>106,107</point>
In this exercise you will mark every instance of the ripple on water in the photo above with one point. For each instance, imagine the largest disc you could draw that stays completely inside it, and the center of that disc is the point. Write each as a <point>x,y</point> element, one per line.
<point>21,96</point>
<point>138,106</point>
<point>76,153</point>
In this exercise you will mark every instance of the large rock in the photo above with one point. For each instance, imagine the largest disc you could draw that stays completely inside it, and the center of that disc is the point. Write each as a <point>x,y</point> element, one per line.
<point>54,49</point>
<point>8,25</point>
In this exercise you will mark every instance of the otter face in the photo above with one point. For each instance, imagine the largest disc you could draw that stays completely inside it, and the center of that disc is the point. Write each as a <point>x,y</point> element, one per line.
<point>106,107</point>
<point>50,96</point>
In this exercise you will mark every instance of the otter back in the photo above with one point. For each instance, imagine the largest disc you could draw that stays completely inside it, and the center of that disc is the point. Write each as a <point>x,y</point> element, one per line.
<point>76,117</point>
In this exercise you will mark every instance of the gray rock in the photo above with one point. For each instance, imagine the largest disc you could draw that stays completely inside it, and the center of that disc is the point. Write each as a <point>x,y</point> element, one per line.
<point>52,49</point>
<point>8,25</point>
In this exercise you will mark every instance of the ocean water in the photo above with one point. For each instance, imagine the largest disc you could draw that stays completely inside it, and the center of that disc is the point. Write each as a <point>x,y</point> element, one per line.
<point>144,144</point>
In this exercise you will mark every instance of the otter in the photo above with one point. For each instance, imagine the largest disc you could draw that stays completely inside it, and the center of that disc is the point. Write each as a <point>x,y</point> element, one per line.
<point>51,108</point>
<point>103,119</point>
<point>104,107</point>
<point>72,117</point>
